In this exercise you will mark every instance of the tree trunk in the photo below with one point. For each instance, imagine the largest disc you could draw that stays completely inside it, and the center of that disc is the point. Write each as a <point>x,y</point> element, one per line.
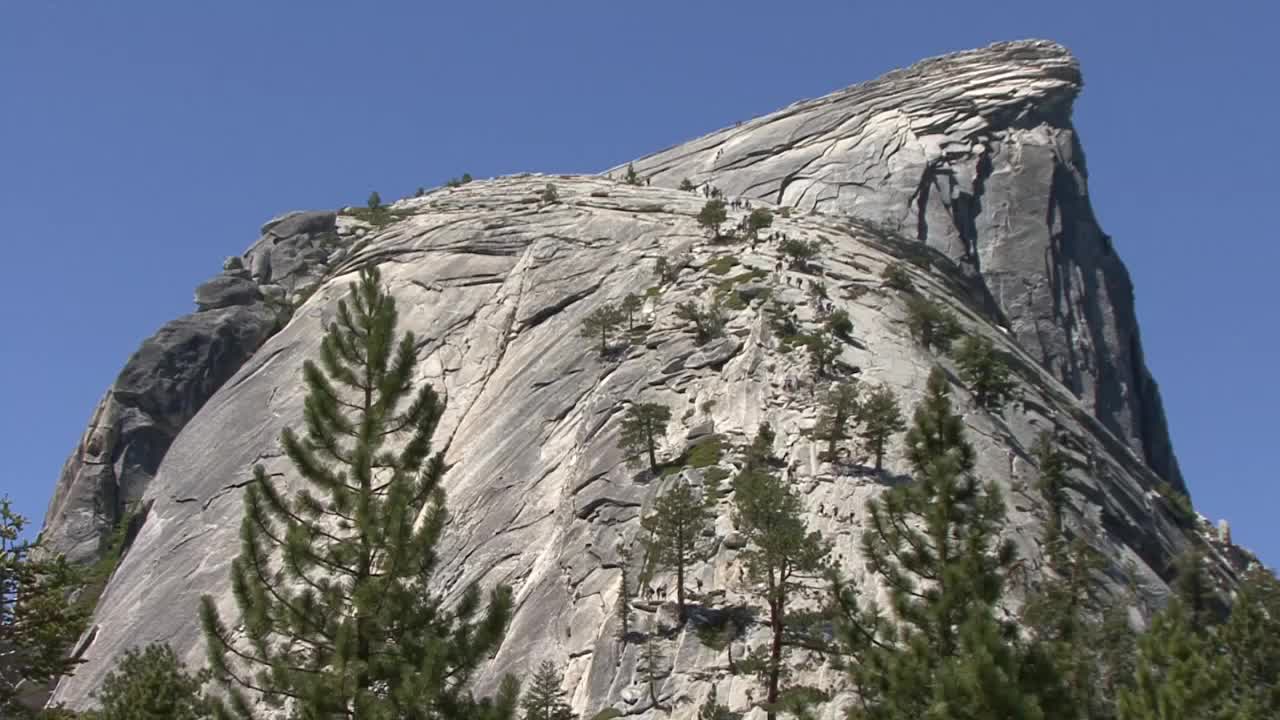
<point>775,655</point>
<point>653,455</point>
<point>680,585</point>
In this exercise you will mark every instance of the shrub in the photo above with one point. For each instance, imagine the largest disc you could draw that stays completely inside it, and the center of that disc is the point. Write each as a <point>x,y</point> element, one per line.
<point>375,200</point>
<point>687,186</point>
<point>722,264</point>
<point>707,323</point>
<point>549,194</point>
<point>895,276</point>
<point>839,324</point>
<point>800,251</point>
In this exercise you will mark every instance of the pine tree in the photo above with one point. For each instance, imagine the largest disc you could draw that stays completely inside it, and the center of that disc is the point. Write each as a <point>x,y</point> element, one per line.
<point>712,216</point>
<point>1250,641</point>
<point>823,352</point>
<point>759,219</point>
<point>880,419</point>
<point>375,201</point>
<point>624,594</point>
<point>631,305</point>
<point>653,669</point>
<point>150,684</point>
<point>986,372</point>
<point>37,622</point>
<point>347,623</point>
<point>544,700</point>
<point>631,177</point>
<point>675,527</point>
<point>1178,674</point>
<point>934,543</point>
<point>800,252</point>
<point>781,555</point>
<point>642,425</point>
<point>1052,486</point>
<point>1192,586</point>
<point>707,323</point>
<point>932,325</point>
<point>839,324</point>
<point>839,408</point>
<point>601,323</point>
<point>895,276</point>
<point>687,186</point>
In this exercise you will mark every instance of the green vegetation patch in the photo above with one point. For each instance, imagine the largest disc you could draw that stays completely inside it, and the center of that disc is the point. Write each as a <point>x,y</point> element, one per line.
<point>706,453</point>
<point>723,264</point>
<point>380,216</point>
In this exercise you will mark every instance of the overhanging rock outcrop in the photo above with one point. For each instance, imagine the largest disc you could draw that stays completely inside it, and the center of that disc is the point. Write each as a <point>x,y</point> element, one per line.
<point>973,153</point>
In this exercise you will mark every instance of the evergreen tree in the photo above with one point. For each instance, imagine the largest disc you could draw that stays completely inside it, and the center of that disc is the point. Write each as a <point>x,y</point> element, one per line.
<point>934,543</point>
<point>823,352</point>
<point>1250,641</point>
<point>759,219</point>
<point>932,325</point>
<point>1178,675</point>
<point>642,425</point>
<point>839,324</point>
<point>550,194</point>
<point>712,216</point>
<point>895,276</point>
<point>631,305</point>
<point>986,372</point>
<point>781,555</point>
<point>880,419</point>
<point>375,201</point>
<point>624,594</point>
<point>800,252</point>
<point>687,186</point>
<point>653,669</point>
<point>349,624</point>
<point>707,323</point>
<point>150,684</point>
<point>37,622</point>
<point>601,323</point>
<point>631,177</point>
<point>1052,484</point>
<point>675,528</point>
<point>1192,586</point>
<point>838,409</point>
<point>544,700</point>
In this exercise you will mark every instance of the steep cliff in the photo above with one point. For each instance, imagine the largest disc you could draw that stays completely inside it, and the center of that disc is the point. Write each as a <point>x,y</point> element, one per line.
<point>496,280</point>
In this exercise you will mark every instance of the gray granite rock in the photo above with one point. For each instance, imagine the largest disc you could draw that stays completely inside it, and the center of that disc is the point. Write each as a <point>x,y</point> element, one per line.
<point>540,496</point>
<point>973,154</point>
<point>225,291</point>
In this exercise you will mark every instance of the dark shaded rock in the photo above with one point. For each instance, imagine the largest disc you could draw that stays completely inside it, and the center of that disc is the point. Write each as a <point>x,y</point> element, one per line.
<point>225,291</point>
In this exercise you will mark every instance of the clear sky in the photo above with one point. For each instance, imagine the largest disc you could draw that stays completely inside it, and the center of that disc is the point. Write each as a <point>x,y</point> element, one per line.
<point>143,142</point>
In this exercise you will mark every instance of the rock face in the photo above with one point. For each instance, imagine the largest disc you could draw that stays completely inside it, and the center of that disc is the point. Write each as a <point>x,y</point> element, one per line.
<point>974,154</point>
<point>495,282</point>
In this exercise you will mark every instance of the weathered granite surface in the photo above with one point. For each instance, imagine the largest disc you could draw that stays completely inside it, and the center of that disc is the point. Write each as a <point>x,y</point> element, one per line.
<point>496,283</point>
<point>973,153</point>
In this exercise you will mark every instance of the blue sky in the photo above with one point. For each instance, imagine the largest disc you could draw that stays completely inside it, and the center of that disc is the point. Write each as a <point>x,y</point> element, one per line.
<point>143,142</point>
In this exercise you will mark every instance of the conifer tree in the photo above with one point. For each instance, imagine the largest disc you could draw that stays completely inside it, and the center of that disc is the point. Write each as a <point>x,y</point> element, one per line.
<point>544,700</point>
<point>1192,586</point>
<point>631,177</point>
<point>642,425</point>
<point>687,185</point>
<point>348,623</point>
<point>839,324</point>
<point>934,543</point>
<point>150,684</point>
<point>932,325</point>
<point>880,419</point>
<point>800,252</point>
<point>1052,486</point>
<point>838,409</point>
<point>37,621</point>
<point>759,219</point>
<point>624,594</point>
<point>653,668</point>
<point>781,555</point>
<point>986,372</point>
<point>1178,675</point>
<point>375,201</point>
<point>712,216</point>
<point>675,528</point>
<point>601,323</point>
<point>823,352</point>
<point>895,276</point>
<point>1250,642</point>
<point>707,323</point>
<point>631,305</point>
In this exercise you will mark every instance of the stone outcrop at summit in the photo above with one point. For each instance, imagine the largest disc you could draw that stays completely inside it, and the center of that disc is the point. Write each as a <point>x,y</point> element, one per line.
<point>974,154</point>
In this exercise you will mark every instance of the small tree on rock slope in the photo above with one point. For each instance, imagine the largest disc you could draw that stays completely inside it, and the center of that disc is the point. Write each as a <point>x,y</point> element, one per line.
<point>712,216</point>
<point>880,419</point>
<point>347,623</point>
<point>544,700</point>
<point>600,324</point>
<point>675,527</point>
<point>642,425</point>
